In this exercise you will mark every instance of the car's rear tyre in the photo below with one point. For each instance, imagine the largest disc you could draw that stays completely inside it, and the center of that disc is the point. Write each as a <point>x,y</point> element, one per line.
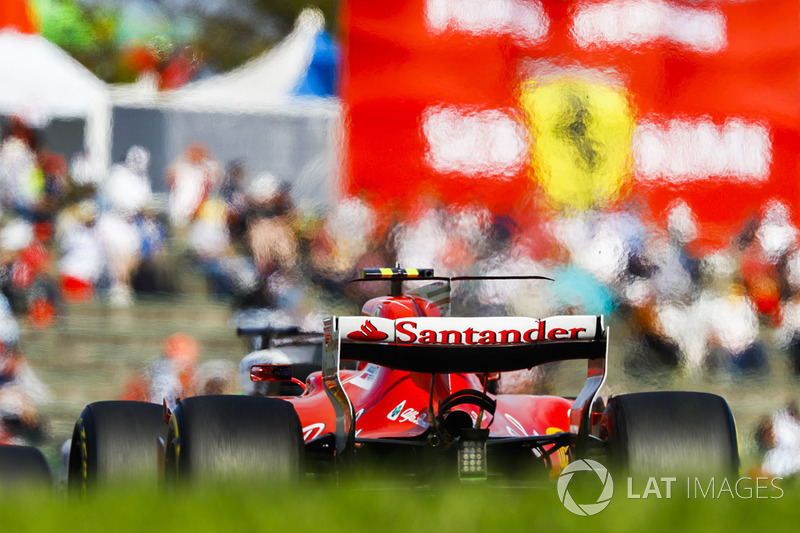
<point>214,438</point>
<point>116,442</point>
<point>23,466</point>
<point>670,433</point>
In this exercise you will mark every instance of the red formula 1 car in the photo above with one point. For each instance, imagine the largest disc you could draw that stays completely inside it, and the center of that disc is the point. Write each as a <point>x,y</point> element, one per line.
<point>420,401</point>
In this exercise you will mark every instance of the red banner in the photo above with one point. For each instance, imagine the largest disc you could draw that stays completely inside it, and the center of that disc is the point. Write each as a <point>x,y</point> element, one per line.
<point>570,105</point>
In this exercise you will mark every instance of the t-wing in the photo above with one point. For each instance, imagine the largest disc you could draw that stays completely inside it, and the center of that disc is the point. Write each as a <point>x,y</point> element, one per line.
<point>445,345</point>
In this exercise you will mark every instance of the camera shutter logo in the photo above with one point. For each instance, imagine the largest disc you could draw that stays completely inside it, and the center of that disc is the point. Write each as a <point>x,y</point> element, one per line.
<point>587,509</point>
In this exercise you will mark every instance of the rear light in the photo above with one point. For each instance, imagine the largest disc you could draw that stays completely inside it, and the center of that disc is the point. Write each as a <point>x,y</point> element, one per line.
<point>472,454</point>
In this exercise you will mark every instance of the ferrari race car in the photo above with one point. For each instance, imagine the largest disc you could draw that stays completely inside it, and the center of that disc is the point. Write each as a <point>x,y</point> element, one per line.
<point>419,401</point>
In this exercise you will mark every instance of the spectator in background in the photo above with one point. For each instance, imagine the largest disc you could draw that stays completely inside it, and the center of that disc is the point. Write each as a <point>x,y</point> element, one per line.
<point>216,376</point>
<point>233,194</point>
<point>29,281</point>
<point>18,171</point>
<point>787,335</point>
<point>153,274</point>
<point>125,195</point>
<point>83,261</point>
<point>54,172</point>
<point>121,244</point>
<point>678,272</point>
<point>16,235</point>
<point>733,339</point>
<point>210,245</point>
<point>270,218</point>
<point>127,190</point>
<point>271,242</point>
<point>84,173</point>
<point>778,437</point>
<point>763,261</point>
<point>20,389</point>
<point>173,375</point>
<point>347,234</point>
<point>18,129</point>
<point>190,179</point>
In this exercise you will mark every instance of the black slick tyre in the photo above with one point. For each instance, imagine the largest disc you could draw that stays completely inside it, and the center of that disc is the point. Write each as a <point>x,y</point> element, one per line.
<point>23,466</point>
<point>216,438</point>
<point>670,433</point>
<point>116,442</point>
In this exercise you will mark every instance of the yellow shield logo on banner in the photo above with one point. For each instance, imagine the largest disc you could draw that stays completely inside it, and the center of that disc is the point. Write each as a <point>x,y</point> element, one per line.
<point>580,136</point>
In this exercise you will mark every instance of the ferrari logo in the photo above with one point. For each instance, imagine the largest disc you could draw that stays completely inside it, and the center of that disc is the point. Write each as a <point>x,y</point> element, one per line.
<point>580,141</point>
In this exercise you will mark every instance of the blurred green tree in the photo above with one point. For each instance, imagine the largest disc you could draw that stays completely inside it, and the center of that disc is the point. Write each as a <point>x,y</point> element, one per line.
<point>118,40</point>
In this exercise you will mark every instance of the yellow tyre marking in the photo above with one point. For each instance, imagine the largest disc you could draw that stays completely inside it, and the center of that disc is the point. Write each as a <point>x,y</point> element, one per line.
<point>174,424</point>
<point>84,458</point>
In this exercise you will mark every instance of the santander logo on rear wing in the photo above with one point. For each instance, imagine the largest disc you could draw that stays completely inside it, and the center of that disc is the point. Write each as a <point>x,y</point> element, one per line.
<point>468,331</point>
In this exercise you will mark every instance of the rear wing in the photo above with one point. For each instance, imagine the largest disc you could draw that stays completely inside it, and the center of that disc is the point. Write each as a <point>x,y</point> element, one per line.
<point>444,345</point>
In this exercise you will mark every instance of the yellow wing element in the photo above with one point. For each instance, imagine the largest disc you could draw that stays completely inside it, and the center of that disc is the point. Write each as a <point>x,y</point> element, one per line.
<point>580,140</point>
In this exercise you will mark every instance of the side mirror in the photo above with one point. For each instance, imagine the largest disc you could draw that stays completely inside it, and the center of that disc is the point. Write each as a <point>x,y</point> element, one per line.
<point>274,373</point>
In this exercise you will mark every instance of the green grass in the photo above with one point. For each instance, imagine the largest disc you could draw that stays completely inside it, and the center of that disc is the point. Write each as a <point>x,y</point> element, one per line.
<point>382,508</point>
<point>371,506</point>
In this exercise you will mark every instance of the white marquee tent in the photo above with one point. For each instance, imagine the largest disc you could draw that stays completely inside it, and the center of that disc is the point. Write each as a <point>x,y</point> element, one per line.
<point>40,82</point>
<point>265,81</point>
<point>251,114</point>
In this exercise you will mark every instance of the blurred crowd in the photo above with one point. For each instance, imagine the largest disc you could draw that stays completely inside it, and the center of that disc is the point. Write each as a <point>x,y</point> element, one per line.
<point>680,304</point>
<point>179,373</point>
<point>70,233</point>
